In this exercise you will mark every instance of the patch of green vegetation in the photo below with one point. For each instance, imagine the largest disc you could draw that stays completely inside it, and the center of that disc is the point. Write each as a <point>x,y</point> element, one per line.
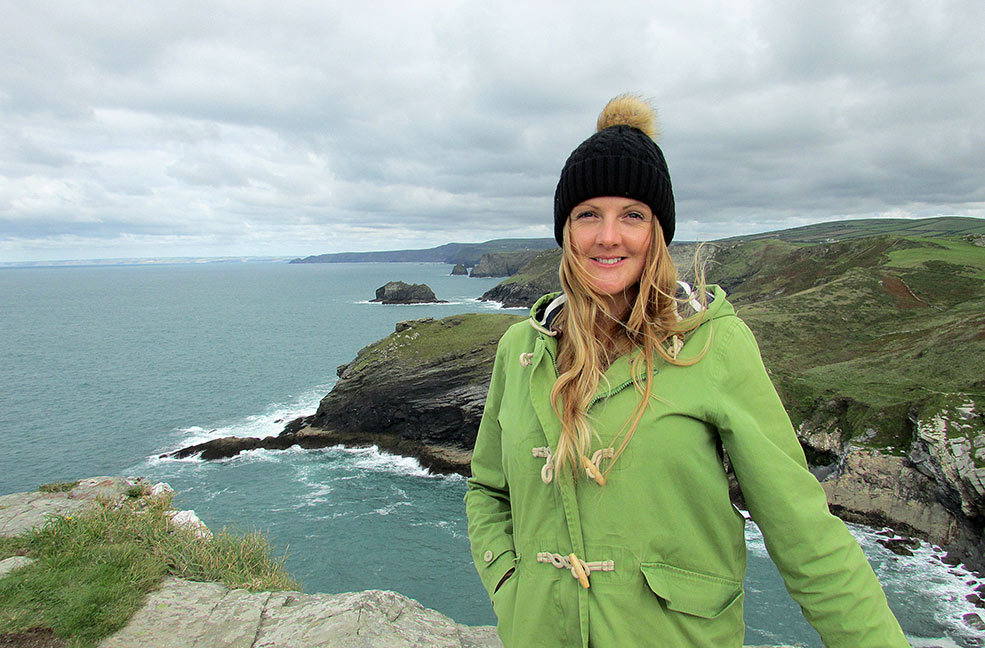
<point>93,570</point>
<point>956,253</point>
<point>58,487</point>
<point>430,342</point>
<point>864,228</point>
<point>138,490</point>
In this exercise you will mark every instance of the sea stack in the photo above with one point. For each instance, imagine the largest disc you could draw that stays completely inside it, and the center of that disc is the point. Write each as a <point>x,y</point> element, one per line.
<point>398,292</point>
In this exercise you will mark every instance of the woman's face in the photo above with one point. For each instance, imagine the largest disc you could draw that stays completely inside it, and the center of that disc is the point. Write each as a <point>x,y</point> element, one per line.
<point>611,237</point>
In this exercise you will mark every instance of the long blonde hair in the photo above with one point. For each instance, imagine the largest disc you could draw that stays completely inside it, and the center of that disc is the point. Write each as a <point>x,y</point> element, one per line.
<point>591,338</point>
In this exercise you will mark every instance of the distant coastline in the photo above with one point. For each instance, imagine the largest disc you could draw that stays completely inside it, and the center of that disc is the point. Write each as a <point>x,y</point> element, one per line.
<point>140,261</point>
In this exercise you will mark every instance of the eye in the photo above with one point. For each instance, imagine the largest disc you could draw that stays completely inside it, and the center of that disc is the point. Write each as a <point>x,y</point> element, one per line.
<point>585,214</point>
<point>635,215</point>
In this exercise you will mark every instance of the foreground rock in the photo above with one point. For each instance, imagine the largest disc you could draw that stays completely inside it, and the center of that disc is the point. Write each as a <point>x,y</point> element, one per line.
<point>21,512</point>
<point>398,292</point>
<point>188,614</point>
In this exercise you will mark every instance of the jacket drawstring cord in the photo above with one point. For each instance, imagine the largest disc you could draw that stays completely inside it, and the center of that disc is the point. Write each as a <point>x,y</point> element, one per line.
<point>534,323</point>
<point>526,359</point>
<point>579,568</point>
<point>547,472</point>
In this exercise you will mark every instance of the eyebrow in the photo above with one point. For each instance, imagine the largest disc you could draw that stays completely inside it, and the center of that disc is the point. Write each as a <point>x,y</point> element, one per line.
<point>630,205</point>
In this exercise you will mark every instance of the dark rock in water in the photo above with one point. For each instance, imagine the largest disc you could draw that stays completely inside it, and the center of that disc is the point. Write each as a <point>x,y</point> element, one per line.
<point>972,620</point>
<point>398,292</point>
<point>459,270</point>
<point>295,425</point>
<point>900,546</point>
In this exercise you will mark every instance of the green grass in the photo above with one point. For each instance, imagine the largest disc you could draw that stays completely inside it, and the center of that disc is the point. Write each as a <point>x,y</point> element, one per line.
<point>93,570</point>
<point>425,343</point>
<point>957,253</point>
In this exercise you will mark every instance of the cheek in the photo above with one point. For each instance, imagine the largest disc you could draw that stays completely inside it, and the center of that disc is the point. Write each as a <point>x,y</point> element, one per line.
<point>581,238</point>
<point>641,242</point>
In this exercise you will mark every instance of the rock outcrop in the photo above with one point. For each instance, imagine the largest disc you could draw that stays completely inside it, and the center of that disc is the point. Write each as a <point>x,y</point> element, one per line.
<point>537,277</point>
<point>502,264</point>
<point>210,614</point>
<point>419,391</point>
<point>459,270</point>
<point>398,292</point>
<point>20,512</point>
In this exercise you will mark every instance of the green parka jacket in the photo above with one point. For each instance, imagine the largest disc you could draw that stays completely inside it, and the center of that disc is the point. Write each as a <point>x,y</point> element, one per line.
<point>665,545</point>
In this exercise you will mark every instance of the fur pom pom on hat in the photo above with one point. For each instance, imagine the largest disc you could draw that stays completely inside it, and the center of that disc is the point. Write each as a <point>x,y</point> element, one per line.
<point>620,159</point>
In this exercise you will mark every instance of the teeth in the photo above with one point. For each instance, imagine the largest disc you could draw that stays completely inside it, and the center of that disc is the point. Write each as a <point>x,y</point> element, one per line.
<point>609,261</point>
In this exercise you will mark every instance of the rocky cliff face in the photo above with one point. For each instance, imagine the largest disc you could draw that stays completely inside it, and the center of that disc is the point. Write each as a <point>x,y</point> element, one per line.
<point>502,264</point>
<point>537,277</point>
<point>419,391</point>
<point>934,489</point>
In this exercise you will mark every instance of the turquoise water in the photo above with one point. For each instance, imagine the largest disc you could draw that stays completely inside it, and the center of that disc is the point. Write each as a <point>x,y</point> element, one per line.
<point>102,369</point>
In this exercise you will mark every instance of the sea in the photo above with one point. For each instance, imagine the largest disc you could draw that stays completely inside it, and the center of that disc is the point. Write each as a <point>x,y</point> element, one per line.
<point>104,369</point>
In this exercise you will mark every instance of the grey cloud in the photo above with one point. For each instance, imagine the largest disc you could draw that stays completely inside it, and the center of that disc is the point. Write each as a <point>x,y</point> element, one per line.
<point>285,126</point>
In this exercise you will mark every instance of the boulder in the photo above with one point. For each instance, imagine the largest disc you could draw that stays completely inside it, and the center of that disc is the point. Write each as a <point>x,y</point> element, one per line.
<point>459,270</point>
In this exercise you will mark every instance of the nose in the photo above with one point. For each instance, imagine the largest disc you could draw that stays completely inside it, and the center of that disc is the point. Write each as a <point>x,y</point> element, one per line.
<point>608,234</point>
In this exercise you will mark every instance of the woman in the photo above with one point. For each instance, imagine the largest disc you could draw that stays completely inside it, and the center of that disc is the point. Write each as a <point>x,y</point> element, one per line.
<point>598,506</point>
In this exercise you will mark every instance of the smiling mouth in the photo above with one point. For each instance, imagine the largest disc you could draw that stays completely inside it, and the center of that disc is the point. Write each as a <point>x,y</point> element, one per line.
<point>608,261</point>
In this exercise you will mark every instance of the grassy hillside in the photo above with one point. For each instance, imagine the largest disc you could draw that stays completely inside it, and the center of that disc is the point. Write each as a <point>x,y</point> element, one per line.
<point>852,229</point>
<point>868,331</point>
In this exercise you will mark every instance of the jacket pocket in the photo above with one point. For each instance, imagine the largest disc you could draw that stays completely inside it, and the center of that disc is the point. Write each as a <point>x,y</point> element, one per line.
<point>690,592</point>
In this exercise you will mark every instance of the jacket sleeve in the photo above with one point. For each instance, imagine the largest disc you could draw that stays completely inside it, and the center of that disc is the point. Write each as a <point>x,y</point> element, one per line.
<point>822,565</point>
<point>487,500</point>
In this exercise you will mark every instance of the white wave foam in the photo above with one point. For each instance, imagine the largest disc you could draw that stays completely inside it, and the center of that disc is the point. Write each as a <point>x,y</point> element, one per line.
<point>390,508</point>
<point>376,460</point>
<point>444,303</point>
<point>269,422</point>
<point>490,304</point>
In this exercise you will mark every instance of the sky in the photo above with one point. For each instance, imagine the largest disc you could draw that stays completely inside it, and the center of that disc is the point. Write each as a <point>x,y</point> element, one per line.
<point>166,129</point>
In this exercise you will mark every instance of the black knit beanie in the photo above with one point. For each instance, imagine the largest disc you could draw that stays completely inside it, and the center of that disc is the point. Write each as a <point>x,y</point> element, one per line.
<point>619,160</point>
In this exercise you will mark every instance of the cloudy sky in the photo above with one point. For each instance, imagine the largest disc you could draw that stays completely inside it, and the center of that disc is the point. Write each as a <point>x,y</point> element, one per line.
<point>286,128</point>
